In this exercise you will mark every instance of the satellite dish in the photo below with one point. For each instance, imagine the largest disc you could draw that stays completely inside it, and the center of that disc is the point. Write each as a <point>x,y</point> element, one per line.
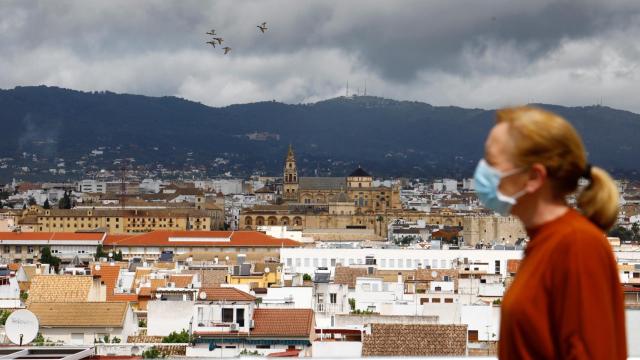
<point>267,270</point>
<point>21,327</point>
<point>434,274</point>
<point>226,258</point>
<point>97,267</point>
<point>203,295</point>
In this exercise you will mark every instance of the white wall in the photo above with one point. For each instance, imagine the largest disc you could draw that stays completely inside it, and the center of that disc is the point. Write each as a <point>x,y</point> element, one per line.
<point>302,296</point>
<point>483,318</point>
<point>633,331</point>
<point>336,349</point>
<point>301,260</point>
<point>163,317</point>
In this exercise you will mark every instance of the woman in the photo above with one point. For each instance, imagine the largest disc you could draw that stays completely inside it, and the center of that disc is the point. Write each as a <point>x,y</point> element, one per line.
<point>566,301</point>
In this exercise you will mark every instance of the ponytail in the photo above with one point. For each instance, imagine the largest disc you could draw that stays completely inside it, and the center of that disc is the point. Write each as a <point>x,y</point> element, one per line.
<point>599,200</point>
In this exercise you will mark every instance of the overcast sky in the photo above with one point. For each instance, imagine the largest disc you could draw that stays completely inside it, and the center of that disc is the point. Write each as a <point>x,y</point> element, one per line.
<point>467,53</point>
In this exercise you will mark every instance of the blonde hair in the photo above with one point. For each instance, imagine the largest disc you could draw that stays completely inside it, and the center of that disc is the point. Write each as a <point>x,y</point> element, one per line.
<point>542,137</point>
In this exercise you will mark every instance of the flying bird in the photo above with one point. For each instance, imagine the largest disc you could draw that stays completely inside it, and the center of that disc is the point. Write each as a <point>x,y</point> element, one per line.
<point>219,40</point>
<point>212,42</point>
<point>212,32</point>
<point>262,27</point>
<point>226,49</point>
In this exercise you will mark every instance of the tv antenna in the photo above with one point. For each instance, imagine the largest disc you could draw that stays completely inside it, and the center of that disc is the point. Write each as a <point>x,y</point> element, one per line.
<point>21,327</point>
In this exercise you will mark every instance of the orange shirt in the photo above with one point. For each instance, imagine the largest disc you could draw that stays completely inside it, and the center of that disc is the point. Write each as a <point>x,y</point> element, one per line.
<point>566,301</point>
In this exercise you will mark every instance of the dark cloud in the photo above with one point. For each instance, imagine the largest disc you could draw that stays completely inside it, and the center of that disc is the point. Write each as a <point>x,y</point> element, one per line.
<point>474,53</point>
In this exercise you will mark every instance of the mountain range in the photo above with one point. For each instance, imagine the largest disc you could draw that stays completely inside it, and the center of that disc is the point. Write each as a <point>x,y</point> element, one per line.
<point>43,127</point>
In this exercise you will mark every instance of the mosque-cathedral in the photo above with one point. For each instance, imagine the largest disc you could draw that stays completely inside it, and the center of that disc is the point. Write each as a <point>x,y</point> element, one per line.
<point>329,203</point>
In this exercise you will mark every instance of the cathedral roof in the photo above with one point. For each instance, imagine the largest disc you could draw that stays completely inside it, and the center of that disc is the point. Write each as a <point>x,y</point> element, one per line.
<point>359,172</point>
<point>322,183</point>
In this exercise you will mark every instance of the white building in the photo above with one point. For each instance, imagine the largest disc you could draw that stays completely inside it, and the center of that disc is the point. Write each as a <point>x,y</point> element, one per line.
<point>307,260</point>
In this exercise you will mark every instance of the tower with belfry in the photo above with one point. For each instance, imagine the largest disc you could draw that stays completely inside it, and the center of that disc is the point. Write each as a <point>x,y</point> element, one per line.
<point>290,182</point>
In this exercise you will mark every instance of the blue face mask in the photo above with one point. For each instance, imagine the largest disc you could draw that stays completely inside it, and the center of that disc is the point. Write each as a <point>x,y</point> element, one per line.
<point>486,180</point>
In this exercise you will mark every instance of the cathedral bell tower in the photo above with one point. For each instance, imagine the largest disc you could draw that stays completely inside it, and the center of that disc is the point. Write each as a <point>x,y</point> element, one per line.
<point>290,182</point>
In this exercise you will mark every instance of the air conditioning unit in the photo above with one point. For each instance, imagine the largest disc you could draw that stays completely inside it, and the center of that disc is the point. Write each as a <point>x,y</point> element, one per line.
<point>171,284</point>
<point>234,327</point>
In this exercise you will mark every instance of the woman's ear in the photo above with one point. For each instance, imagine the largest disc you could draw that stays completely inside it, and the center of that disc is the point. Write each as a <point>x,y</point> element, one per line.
<point>537,177</point>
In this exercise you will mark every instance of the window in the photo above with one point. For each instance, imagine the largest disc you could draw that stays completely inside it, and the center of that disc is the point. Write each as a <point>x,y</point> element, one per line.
<point>263,346</point>
<point>448,300</point>
<point>7,249</point>
<point>240,317</point>
<point>30,249</point>
<point>289,262</point>
<point>424,301</point>
<point>333,298</point>
<point>200,315</point>
<point>18,249</point>
<point>435,300</point>
<point>227,315</point>
<point>497,267</point>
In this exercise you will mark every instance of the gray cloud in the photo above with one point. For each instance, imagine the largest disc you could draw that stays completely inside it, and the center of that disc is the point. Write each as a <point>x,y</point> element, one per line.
<point>468,53</point>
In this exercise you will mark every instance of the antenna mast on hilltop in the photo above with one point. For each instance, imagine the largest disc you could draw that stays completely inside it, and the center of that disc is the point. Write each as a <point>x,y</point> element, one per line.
<point>347,88</point>
<point>365,88</point>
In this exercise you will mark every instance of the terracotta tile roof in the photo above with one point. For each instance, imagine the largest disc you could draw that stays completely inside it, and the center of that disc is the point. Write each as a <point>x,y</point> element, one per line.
<point>60,288</point>
<point>199,239</point>
<point>50,236</point>
<point>225,294</point>
<point>80,314</point>
<point>109,275</point>
<point>283,323</point>
<point>415,340</point>
<point>13,266</point>
<point>182,280</point>
<point>347,275</point>
<point>210,277</point>
<point>139,277</point>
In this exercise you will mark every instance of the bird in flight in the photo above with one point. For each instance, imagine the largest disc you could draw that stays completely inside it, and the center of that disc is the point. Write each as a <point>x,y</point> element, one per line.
<point>212,32</point>
<point>212,42</point>
<point>219,40</point>
<point>226,49</point>
<point>262,27</point>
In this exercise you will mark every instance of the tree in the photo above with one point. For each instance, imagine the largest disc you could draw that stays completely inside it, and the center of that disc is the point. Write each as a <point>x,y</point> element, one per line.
<point>306,277</point>
<point>117,256</point>
<point>100,252</point>
<point>635,229</point>
<point>174,337</point>
<point>4,314</point>
<point>32,201</point>
<point>46,204</point>
<point>622,233</point>
<point>47,258</point>
<point>352,304</point>
<point>151,353</point>
<point>65,202</point>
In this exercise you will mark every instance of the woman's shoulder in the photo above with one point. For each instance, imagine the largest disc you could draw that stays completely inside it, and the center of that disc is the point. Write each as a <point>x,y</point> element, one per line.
<point>579,234</point>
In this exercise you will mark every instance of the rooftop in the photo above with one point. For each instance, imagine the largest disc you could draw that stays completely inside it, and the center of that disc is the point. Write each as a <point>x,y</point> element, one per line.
<point>283,323</point>
<point>199,239</point>
<point>80,314</point>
